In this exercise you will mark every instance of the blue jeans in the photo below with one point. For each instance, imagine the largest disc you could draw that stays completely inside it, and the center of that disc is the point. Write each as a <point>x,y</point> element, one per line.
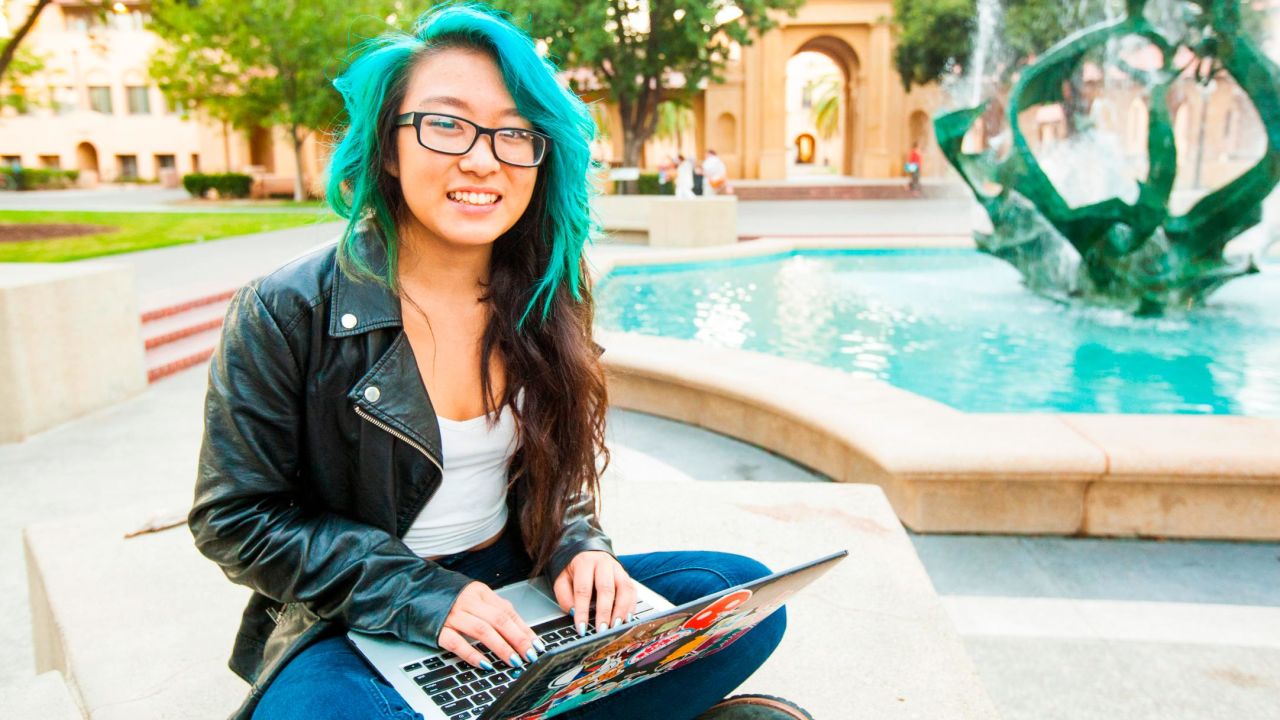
<point>330,680</point>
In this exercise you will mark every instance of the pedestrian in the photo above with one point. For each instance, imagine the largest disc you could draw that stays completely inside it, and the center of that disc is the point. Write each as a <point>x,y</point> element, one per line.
<point>716,174</point>
<point>913,169</point>
<point>684,177</point>
<point>397,424</point>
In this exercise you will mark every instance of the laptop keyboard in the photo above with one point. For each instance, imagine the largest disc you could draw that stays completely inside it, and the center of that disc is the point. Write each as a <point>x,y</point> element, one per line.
<point>464,692</point>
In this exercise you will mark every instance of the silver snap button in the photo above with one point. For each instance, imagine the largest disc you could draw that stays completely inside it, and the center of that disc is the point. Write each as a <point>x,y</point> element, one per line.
<point>349,321</point>
<point>372,393</point>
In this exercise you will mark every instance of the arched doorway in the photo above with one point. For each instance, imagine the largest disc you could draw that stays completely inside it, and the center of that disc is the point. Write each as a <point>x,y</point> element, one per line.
<point>822,93</point>
<point>262,152</point>
<point>87,164</point>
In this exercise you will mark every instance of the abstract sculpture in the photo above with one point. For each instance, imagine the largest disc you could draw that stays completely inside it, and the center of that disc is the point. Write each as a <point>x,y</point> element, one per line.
<point>1136,254</point>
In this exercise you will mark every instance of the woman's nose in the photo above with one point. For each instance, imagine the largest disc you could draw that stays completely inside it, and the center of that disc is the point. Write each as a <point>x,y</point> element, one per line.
<point>480,159</point>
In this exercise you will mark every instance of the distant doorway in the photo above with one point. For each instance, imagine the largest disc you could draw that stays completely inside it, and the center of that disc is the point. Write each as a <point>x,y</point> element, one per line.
<point>87,164</point>
<point>821,107</point>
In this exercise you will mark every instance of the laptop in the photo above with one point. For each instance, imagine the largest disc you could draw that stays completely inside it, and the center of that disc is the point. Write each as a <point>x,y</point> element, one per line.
<point>578,670</point>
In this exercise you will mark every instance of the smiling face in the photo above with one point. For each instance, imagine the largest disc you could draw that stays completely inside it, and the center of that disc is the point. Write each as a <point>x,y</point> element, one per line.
<point>469,199</point>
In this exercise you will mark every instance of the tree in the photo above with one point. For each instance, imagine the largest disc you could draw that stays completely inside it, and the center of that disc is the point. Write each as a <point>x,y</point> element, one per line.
<point>935,36</point>
<point>254,63</point>
<point>675,118</point>
<point>10,49</point>
<point>23,65</point>
<point>826,106</point>
<point>634,49</point>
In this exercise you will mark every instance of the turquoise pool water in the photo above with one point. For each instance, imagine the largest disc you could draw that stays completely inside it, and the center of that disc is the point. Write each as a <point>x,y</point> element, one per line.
<point>958,327</point>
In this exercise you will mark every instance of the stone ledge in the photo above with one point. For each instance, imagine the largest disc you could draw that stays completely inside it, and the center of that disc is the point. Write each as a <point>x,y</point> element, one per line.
<point>152,638</point>
<point>949,471</point>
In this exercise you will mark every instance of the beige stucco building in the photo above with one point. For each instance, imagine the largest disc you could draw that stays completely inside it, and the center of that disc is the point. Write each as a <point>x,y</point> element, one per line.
<point>95,109</point>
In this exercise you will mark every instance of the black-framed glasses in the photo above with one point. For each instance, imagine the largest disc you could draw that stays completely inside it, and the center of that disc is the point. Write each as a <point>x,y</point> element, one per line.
<point>453,135</point>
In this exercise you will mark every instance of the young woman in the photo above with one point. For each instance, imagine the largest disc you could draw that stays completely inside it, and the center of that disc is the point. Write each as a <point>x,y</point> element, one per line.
<point>396,425</point>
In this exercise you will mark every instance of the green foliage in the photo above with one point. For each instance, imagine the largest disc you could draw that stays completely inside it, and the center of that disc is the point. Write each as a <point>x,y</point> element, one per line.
<point>235,185</point>
<point>826,107</point>
<point>932,36</point>
<point>648,185</point>
<point>632,55</point>
<point>37,178</point>
<point>674,120</point>
<point>258,63</point>
<point>17,76</point>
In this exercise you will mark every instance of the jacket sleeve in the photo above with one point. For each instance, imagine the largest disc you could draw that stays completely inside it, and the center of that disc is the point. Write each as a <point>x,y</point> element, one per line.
<point>248,516</point>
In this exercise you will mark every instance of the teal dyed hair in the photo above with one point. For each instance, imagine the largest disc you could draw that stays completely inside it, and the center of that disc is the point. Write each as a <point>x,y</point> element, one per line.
<point>362,191</point>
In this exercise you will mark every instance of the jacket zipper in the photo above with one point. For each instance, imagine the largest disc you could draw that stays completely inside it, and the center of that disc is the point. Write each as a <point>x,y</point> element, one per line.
<point>401,436</point>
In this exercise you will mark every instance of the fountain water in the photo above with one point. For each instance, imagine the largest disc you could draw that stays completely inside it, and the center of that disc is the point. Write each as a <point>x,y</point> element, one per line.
<point>1074,220</point>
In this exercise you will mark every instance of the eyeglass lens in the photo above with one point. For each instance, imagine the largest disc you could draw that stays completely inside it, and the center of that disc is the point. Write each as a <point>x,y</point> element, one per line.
<point>451,135</point>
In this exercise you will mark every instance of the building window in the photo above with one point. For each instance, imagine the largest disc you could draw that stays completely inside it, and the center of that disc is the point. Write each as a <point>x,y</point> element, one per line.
<point>195,162</point>
<point>83,20</point>
<point>134,19</point>
<point>51,162</point>
<point>166,162</point>
<point>13,161</point>
<point>128,166</point>
<point>100,99</point>
<point>64,100</point>
<point>139,99</point>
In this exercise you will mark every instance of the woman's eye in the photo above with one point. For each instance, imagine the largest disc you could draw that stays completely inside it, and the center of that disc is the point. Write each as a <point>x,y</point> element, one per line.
<point>517,134</point>
<point>440,124</point>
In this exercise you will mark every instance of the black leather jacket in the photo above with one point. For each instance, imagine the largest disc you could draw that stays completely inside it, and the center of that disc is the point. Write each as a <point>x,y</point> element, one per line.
<point>320,448</point>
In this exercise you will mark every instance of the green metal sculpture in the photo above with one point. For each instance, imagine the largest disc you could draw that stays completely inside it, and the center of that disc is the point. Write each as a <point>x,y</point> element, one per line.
<point>1135,255</point>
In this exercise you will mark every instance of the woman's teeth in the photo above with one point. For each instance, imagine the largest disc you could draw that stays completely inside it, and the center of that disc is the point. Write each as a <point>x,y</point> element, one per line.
<point>471,198</point>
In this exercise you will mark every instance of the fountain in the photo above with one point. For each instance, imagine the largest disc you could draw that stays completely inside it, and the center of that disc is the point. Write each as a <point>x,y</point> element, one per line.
<point>1110,240</point>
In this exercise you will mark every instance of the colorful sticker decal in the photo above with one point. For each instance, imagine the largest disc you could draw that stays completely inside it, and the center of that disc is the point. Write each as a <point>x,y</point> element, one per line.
<point>644,651</point>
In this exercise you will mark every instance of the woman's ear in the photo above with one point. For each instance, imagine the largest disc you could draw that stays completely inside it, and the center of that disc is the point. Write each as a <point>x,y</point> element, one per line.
<point>392,166</point>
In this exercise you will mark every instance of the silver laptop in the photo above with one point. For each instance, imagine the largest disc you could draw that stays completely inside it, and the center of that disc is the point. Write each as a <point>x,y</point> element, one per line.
<point>577,670</point>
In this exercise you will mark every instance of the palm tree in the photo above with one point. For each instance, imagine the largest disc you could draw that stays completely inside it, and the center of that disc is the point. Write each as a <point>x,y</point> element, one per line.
<point>826,106</point>
<point>674,118</point>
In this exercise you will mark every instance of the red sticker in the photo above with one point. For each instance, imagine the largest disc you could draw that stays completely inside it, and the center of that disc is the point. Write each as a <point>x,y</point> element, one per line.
<point>712,612</point>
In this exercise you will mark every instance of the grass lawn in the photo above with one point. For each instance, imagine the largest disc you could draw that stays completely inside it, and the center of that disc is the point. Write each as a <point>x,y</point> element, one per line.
<point>141,231</point>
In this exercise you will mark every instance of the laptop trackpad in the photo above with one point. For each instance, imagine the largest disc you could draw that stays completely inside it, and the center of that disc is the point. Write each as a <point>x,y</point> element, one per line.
<point>531,600</point>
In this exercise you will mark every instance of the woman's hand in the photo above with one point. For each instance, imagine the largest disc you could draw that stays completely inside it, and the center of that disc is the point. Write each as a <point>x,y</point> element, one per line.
<point>481,614</point>
<point>614,590</point>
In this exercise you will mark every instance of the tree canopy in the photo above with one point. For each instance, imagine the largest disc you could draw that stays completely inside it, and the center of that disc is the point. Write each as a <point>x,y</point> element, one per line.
<point>261,63</point>
<point>633,51</point>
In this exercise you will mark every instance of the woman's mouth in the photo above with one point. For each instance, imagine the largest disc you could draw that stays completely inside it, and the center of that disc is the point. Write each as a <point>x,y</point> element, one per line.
<point>475,199</point>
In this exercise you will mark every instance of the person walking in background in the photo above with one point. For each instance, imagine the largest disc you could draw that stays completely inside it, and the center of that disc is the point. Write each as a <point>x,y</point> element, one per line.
<point>684,177</point>
<point>715,174</point>
<point>913,169</point>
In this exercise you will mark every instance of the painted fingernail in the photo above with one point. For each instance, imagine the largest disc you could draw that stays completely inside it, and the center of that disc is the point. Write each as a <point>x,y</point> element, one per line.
<point>514,661</point>
<point>539,645</point>
<point>571,612</point>
<point>602,627</point>
<point>631,617</point>
<point>617,622</point>
<point>485,664</point>
<point>532,654</point>
<point>514,673</point>
<point>582,629</point>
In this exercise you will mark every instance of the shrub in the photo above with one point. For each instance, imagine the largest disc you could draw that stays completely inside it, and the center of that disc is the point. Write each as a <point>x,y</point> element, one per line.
<point>37,178</point>
<point>648,185</point>
<point>234,185</point>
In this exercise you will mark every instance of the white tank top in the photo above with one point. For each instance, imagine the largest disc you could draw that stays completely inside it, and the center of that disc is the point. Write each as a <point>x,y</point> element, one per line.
<point>471,504</point>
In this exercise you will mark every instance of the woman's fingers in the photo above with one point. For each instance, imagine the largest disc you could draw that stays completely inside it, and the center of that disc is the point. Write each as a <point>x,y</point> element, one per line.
<point>480,629</point>
<point>583,579</point>
<point>604,578</point>
<point>453,642</point>
<point>624,603</point>
<point>563,589</point>
<point>503,616</point>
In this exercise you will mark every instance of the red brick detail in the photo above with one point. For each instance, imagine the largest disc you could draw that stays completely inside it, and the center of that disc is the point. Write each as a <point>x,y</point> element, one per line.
<point>157,341</point>
<point>163,371</point>
<point>187,305</point>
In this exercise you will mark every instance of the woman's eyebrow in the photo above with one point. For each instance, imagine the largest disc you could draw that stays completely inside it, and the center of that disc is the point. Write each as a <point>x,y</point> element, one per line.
<point>461,104</point>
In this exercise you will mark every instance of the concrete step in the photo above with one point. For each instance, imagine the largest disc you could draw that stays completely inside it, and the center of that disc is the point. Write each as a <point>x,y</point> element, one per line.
<point>45,696</point>
<point>181,353</point>
<point>171,328</point>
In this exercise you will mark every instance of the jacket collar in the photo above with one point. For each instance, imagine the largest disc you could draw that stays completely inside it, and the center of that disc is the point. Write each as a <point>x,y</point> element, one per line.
<point>359,306</point>
<point>392,391</point>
